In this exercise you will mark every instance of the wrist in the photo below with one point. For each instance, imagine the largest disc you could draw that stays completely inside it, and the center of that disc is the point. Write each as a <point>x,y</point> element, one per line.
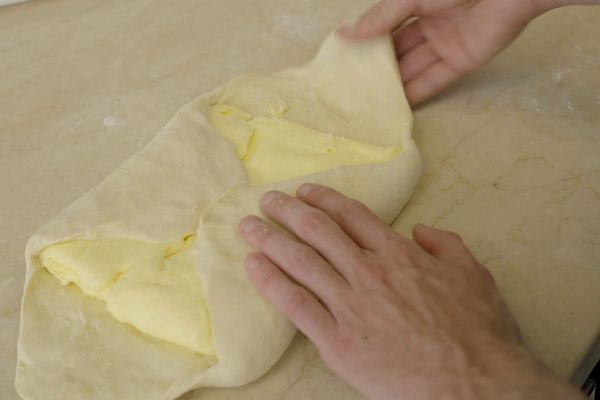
<point>511,372</point>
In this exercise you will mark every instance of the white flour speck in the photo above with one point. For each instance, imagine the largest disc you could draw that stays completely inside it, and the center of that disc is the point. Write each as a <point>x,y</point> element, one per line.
<point>558,76</point>
<point>111,121</point>
<point>570,105</point>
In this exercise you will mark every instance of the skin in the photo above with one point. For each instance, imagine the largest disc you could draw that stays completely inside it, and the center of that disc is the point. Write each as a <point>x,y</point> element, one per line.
<point>449,38</point>
<point>395,318</point>
<point>399,318</point>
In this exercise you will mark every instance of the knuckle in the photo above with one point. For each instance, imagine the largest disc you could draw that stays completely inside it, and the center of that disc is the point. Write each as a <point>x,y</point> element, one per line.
<point>376,273</point>
<point>312,222</point>
<point>297,304</point>
<point>353,209</point>
<point>299,257</point>
<point>403,260</point>
<point>266,281</point>
<point>342,348</point>
<point>404,252</point>
<point>373,270</point>
<point>390,238</point>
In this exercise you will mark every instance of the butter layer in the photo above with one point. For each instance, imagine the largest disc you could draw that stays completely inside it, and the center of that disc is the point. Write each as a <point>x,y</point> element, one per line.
<point>274,148</point>
<point>153,287</point>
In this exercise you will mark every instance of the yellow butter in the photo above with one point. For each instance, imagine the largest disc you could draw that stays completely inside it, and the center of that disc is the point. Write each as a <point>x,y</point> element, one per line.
<point>153,287</point>
<point>233,124</point>
<point>274,148</point>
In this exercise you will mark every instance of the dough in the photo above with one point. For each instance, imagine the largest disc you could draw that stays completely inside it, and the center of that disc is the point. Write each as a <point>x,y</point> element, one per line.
<point>137,290</point>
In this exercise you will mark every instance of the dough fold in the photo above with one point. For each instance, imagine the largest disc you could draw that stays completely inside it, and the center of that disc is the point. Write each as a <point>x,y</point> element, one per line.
<point>189,180</point>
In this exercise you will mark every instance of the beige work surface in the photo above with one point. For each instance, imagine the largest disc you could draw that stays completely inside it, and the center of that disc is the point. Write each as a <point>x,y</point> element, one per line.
<point>512,153</point>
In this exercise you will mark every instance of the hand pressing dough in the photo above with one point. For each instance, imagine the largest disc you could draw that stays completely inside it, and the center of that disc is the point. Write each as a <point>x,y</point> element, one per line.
<point>137,290</point>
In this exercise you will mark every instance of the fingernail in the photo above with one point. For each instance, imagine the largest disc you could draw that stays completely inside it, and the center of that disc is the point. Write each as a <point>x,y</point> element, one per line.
<point>268,198</point>
<point>305,189</point>
<point>248,224</point>
<point>253,261</point>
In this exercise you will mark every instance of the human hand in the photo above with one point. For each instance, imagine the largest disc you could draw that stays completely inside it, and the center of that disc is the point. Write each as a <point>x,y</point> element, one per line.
<point>395,318</point>
<point>448,38</point>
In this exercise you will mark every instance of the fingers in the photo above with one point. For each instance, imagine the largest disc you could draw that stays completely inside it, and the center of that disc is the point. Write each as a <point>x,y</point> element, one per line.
<point>360,223</point>
<point>445,245</point>
<point>382,18</point>
<point>430,82</point>
<point>315,228</point>
<point>386,15</point>
<point>412,63</point>
<point>294,301</point>
<point>301,262</point>
<point>407,38</point>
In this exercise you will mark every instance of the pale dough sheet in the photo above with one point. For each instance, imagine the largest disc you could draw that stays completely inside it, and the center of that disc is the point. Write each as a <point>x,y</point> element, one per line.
<point>188,179</point>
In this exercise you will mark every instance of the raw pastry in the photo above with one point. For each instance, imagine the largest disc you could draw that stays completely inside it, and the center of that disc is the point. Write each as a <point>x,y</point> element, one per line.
<point>137,289</point>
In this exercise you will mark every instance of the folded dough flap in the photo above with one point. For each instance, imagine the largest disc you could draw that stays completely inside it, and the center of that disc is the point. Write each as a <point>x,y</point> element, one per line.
<point>350,90</point>
<point>146,269</point>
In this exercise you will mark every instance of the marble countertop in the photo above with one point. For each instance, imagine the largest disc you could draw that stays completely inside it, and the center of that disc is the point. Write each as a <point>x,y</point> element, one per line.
<point>511,153</point>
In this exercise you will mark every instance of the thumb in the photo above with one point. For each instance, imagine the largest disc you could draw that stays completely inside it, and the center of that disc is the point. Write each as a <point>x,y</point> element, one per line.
<point>445,245</point>
<point>382,18</point>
